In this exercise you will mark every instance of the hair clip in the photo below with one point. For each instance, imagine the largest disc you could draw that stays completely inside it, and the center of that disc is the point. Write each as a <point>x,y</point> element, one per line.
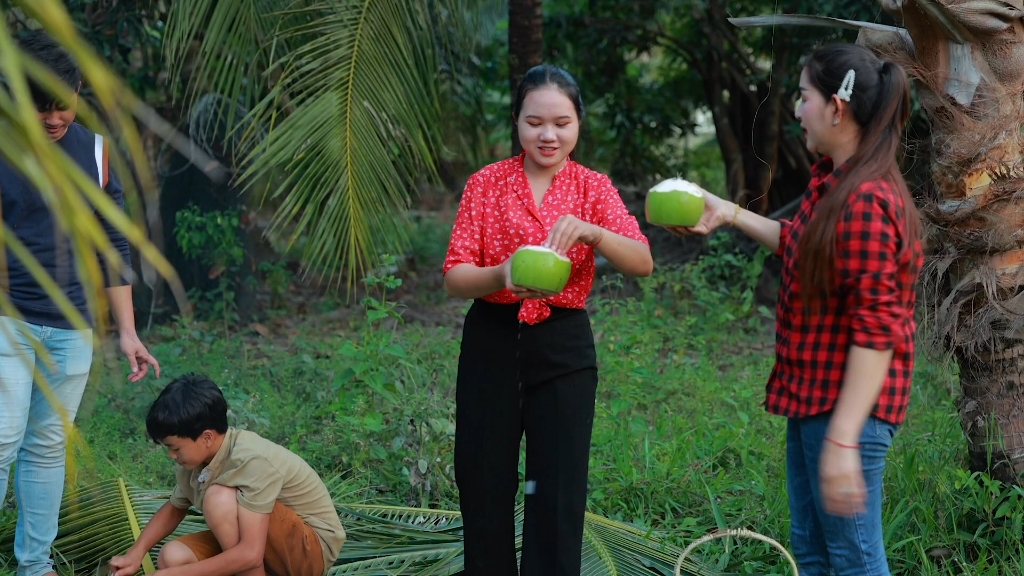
<point>846,88</point>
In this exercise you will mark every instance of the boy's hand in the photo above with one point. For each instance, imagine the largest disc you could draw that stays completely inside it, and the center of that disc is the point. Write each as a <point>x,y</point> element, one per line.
<point>127,565</point>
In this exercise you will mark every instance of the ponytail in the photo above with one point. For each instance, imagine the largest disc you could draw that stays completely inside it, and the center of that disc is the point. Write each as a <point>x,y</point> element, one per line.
<point>880,104</point>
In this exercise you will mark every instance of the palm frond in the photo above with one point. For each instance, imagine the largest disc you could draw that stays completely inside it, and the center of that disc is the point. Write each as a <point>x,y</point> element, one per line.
<point>814,20</point>
<point>388,540</point>
<point>227,45</point>
<point>344,117</point>
<point>102,520</point>
<point>418,519</point>
<point>360,134</point>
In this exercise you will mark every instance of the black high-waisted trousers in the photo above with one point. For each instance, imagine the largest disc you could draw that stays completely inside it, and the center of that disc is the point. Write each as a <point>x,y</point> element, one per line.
<point>541,379</point>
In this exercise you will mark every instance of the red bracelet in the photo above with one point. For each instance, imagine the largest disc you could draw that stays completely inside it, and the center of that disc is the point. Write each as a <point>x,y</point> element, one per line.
<point>841,445</point>
<point>594,245</point>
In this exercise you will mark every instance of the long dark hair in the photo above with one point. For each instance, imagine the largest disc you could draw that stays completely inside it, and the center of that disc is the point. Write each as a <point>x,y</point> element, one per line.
<point>880,105</point>
<point>542,76</point>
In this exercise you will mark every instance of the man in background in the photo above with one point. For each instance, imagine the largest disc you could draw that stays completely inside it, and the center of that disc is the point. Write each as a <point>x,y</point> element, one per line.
<point>32,432</point>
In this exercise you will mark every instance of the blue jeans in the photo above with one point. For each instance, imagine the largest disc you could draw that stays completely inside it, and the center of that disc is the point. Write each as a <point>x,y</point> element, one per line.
<point>823,544</point>
<point>32,431</point>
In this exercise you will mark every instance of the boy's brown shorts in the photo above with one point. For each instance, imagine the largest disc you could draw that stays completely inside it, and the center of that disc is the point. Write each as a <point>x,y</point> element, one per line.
<point>293,548</point>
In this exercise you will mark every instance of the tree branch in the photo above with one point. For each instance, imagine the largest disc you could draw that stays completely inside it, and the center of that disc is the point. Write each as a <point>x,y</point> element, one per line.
<point>721,24</point>
<point>728,143</point>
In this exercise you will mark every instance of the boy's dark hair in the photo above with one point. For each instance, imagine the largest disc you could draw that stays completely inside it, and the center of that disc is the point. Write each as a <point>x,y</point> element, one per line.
<point>52,55</point>
<point>188,405</point>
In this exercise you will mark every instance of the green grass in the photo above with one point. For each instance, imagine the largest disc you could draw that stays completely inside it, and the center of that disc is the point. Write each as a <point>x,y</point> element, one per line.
<point>681,445</point>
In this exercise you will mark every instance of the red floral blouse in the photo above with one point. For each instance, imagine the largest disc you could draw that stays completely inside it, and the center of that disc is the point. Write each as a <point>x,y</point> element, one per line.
<point>498,214</point>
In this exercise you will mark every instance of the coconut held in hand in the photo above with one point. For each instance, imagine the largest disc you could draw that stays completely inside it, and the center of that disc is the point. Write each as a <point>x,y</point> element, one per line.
<point>674,202</point>
<point>541,269</point>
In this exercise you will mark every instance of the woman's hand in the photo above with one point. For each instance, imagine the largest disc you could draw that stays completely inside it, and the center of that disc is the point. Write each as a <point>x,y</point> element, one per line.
<point>521,292</point>
<point>716,213</point>
<point>570,230</point>
<point>841,480</point>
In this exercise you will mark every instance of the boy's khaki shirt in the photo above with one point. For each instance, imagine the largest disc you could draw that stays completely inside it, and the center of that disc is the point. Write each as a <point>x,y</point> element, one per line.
<point>265,473</point>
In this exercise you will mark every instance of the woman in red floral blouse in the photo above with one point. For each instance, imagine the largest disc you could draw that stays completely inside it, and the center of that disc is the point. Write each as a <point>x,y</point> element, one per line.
<point>845,320</point>
<point>528,361</point>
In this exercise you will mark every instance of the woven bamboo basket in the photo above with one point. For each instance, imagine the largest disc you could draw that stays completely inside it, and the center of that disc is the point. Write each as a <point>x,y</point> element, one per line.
<point>742,533</point>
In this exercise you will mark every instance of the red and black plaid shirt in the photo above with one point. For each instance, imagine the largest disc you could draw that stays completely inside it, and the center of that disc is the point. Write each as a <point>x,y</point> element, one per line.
<point>873,306</point>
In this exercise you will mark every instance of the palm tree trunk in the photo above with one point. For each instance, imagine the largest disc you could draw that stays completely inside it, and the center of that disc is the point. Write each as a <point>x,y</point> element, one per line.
<point>973,279</point>
<point>525,46</point>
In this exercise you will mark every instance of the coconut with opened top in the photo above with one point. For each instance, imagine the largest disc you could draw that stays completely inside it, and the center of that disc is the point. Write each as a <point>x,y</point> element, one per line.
<point>539,268</point>
<point>674,202</point>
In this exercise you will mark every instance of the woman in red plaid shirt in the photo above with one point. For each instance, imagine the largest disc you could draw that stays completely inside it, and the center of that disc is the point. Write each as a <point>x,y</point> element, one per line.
<point>845,319</point>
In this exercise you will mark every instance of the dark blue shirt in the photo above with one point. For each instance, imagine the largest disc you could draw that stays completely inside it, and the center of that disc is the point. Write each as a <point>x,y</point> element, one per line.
<point>26,214</point>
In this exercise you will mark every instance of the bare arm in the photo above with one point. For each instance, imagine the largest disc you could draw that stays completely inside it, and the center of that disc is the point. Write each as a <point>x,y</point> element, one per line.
<point>119,294</point>
<point>122,308</point>
<point>468,281</point>
<point>608,227</point>
<point>631,257</point>
<point>841,476</point>
<point>163,523</point>
<point>718,212</point>
<point>866,370</point>
<point>766,231</point>
<point>139,358</point>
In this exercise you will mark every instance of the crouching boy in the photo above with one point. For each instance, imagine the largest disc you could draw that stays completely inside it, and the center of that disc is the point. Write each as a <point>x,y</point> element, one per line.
<point>267,510</point>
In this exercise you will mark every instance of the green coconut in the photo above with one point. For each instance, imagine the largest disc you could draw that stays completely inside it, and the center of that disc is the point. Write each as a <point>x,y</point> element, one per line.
<point>541,269</point>
<point>674,202</point>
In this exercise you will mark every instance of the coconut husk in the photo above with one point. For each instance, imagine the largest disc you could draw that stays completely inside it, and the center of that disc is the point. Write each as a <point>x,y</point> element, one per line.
<point>971,302</point>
